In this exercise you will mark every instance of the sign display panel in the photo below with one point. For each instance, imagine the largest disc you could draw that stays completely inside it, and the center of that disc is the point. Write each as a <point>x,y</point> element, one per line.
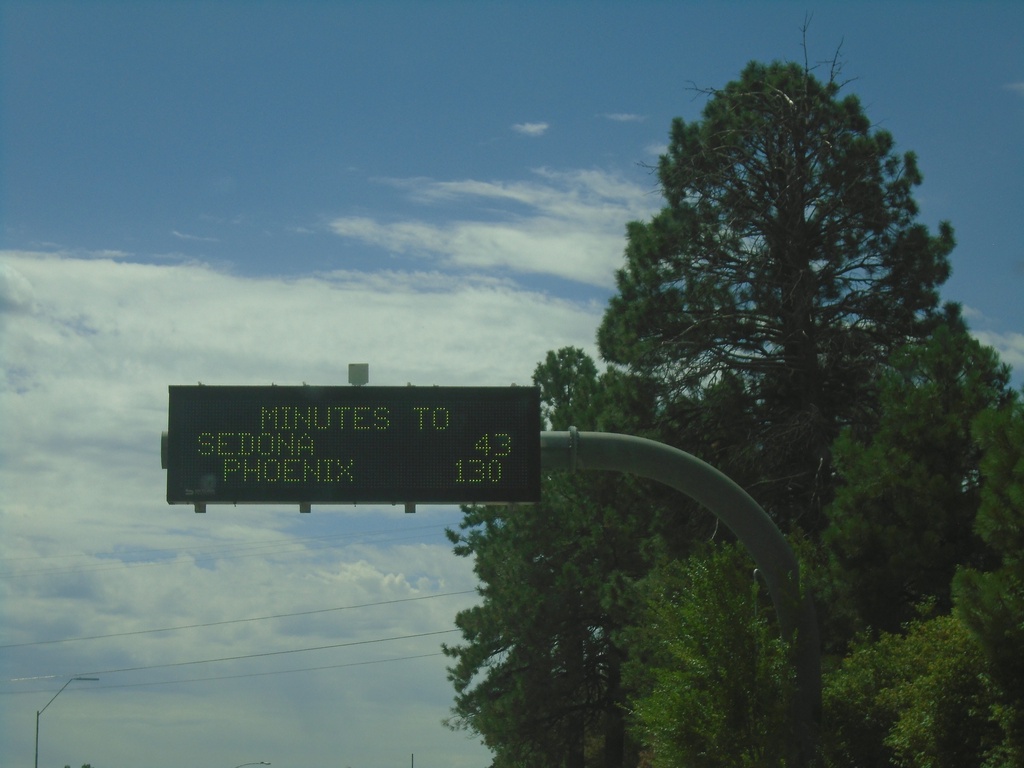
<point>341,445</point>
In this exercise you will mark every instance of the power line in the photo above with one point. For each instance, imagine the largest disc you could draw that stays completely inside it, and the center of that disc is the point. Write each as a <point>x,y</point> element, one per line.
<point>276,672</point>
<point>286,546</point>
<point>229,547</point>
<point>241,676</point>
<point>270,653</point>
<point>234,621</point>
<point>240,657</point>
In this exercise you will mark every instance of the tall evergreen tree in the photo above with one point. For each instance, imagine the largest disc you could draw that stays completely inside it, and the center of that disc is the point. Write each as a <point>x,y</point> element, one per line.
<point>569,391</point>
<point>753,319</point>
<point>992,603</point>
<point>784,269</point>
<point>902,519</point>
<point>537,675</point>
<point>948,691</point>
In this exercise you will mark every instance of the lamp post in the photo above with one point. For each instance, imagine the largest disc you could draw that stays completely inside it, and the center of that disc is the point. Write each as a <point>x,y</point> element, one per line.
<point>39,712</point>
<point>261,762</point>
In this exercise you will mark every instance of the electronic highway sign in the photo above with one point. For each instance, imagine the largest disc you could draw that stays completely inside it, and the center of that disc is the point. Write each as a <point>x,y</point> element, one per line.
<point>346,445</point>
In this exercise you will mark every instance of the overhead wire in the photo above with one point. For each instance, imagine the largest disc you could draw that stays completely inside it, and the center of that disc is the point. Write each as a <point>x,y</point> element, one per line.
<point>265,654</point>
<point>238,676</point>
<point>214,555</point>
<point>283,547</point>
<point>238,657</point>
<point>236,621</point>
<point>267,543</point>
<point>274,672</point>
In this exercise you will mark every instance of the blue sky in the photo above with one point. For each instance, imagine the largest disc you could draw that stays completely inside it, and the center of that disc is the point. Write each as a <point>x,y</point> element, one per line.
<point>255,192</point>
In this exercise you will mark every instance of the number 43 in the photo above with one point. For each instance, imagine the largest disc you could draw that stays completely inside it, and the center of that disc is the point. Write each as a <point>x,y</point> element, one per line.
<point>498,444</point>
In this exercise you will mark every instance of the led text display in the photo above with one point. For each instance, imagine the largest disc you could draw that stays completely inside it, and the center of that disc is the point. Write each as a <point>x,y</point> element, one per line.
<point>352,444</point>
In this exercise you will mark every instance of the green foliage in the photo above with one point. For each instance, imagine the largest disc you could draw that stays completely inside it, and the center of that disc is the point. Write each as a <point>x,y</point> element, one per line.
<point>714,680</point>
<point>920,700</point>
<point>902,521</point>
<point>786,267</point>
<point>538,669</point>
<point>568,389</point>
<point>949,691</point>
<point>537,675</point>
<point>992,603</point>
<point>757,319</point>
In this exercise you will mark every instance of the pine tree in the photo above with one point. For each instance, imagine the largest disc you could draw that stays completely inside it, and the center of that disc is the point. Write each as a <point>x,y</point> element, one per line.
<point>785,268</point>
<point>537,673</point>
<point>902,519</point>
<point>992,603</point>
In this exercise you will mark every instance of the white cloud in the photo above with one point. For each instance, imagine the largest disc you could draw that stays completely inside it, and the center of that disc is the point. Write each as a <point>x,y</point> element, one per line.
<point>193,238</point>
<point>89,547</point>
<point>656,149</point>
<point>531,129</point>
<point>16,293</point>
<point>127,327</point>
<point>108,253</point>
<point>567,224</point>
<point>400,237</point>
<point>1009,345</point>
<point>624,117</point>
<point>1017,88</point>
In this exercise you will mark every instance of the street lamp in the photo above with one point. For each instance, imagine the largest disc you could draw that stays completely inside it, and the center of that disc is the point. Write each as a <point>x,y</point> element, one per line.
<point>261,762</point>
<point>38,713</point>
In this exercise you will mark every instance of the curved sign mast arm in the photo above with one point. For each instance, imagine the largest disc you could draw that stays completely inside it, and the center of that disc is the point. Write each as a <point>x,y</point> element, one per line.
<point>574,450</point>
